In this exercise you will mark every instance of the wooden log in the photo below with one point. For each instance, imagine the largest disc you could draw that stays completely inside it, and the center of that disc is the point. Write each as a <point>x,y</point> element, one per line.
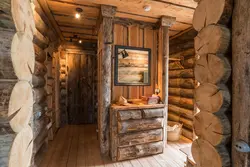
<point>51,33</point>
<point>205,72</point>
<point>20,106</point>
<point>7,137</point>
<point>63,93</point>
<point>40,25</point>
<point>63,77</point>
<point>176,65</point>
<point>183,44</point>
<point>216,129</point>
<point>6,20</point>
<point>185,73</point>
<point>187,133</point>
<point>153,113</point>
<point>40,69</point>
<point>22,15</point>
<point>63,55</point>
<point>181,92</point>
<point>139,151</point>
<point>23,56</point>
<point>188,83</point>
<point>139,125</point>
<point>6,66</point>
<point>5,93</point>
<point>212,12</point>
<point>131,139</point>
<point>40,40</point>
<point>241,88</point>
<point>38,126</point>
<point>40,95</point>
<point>40,139</point>
<point>63,85</point>
<point>38,81</point>
<point>40,54</point>
<point>129,115</point>
<point>186,123</point>
<point>173,117</point>
<point>182,102</point>
<point>189,63</point>
<point>212,98</point>
<point>181,111</point>
<point>212,39</point>
<point>218,156</point>
<point>23,145</point>
<point>182,54</point>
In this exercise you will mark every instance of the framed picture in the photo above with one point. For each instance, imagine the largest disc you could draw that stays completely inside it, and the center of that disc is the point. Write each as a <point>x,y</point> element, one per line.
<point>132,66</point>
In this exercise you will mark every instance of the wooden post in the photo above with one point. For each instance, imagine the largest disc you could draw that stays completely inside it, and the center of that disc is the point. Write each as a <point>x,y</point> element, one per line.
<point>241,79</point>
<point>107,14</point>
<point>166,23</point>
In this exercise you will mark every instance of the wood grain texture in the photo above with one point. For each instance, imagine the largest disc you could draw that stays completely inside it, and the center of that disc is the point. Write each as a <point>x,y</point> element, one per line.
<point>212,98</point>
<point>214,39</point>
<point>205,72</point>
<point>139,151</point>
<point>130,114</point>
<point>216,129</point>
<point>217,12</point>
<point>219,156</point>
<point>139,125</point>
<point>140,137</point>
<point>240,61</point>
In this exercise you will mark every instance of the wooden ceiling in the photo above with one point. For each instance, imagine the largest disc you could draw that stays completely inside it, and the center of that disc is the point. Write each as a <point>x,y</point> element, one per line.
<point>63,11</point>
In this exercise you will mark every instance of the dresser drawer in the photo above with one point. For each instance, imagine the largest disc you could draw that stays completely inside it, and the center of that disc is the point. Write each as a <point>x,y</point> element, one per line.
<point>129,115</point>
<point>137,151</point>
<point>153,113</point>
<point>140,137</point>
<point>139,125</point>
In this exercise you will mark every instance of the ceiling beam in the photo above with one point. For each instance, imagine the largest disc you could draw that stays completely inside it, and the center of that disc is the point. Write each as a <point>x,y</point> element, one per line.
<point>71,16</point>
<point>77,27</point>
<point>46,9</point>
<point>175,4</point>
<point>80,33</point>
<point>160,1</point>
<point>73,3</point>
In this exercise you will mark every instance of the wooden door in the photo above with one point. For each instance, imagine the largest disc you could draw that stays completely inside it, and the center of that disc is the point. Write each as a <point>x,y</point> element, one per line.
<point>81,88</point>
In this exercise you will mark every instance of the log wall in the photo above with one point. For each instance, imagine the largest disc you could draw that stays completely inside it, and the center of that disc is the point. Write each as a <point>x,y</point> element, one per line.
<point>44,109</point>
<point>17,62</point>
<point>212,70</point>
<point>182,82</point>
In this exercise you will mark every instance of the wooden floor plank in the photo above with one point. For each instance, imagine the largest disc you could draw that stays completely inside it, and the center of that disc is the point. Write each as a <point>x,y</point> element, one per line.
<point>135,163</point>
<point>80,160</point>
<point>72,158</point>
<point>77,146</point>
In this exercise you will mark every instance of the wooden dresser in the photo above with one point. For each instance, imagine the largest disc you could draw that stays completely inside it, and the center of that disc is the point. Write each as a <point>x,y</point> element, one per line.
<point>136,131</point>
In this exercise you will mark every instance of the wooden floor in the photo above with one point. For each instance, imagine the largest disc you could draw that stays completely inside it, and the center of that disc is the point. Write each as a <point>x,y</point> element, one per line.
<point>77,146</point>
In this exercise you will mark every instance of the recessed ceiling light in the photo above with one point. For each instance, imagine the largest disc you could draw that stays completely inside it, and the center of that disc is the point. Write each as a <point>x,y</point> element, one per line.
<point>80,41</point>
<point>147,8</point>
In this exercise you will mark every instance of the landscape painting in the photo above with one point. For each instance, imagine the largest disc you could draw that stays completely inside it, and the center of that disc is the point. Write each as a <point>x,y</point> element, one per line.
<point>132,66</point>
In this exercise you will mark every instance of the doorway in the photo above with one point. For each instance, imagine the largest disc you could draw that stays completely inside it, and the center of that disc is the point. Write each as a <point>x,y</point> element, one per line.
<point>82,85</point>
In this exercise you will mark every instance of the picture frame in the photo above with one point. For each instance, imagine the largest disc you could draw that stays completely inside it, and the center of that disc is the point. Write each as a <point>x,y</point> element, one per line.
<point>132,66</point>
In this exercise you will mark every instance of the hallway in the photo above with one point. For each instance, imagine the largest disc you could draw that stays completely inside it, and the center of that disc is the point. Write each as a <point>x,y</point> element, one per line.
<point>77,146</point>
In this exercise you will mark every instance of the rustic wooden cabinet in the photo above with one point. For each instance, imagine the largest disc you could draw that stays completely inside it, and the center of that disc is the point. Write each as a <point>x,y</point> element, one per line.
<point>137,131</point>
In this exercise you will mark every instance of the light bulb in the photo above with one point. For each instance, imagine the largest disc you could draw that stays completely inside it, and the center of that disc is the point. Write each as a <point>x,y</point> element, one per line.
<point>80,41</point>
<point>77,15</point>
<point>147,8</point>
